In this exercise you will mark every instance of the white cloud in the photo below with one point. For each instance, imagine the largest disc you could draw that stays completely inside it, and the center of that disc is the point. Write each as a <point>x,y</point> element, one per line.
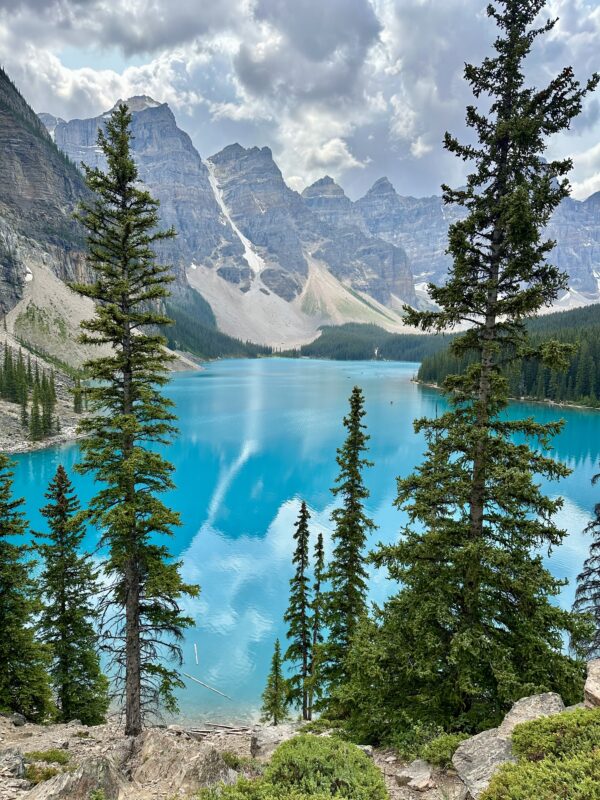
<point>357,88</point>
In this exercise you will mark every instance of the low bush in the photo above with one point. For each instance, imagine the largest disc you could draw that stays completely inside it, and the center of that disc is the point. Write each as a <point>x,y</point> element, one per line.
<point>564,734</point>
<point>309,768</point>
<point>54,756</point>
<point>439,751</point>
<point>325,725</point>
<point>245,764</point>
<point>324,765</point>
<point>259,789</point>
<point>559,759</point>
<point>573,778</point>
<point>411,739</point>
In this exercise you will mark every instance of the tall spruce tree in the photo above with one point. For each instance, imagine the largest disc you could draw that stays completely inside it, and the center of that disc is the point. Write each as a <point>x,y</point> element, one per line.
<point>142,619</point>
<point>315,688</point>
<point>587,595</point>
<point>24,685</point>
<point>345,600</point>
<point>474,624</point>
<point>276,695</point>
<point>298,617</point>
<point>68,585</point>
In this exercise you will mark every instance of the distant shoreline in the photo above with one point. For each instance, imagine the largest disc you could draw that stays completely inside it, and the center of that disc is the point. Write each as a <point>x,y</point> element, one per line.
<point>546,402</point>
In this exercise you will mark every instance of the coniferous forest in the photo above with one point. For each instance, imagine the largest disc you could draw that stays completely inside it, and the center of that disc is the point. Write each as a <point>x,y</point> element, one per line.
<point>529,377</point>
<point>471,623</point>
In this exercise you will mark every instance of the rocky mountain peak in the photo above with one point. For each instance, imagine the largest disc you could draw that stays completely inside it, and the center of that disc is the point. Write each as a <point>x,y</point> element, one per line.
<point>382,186</point>
<point>324,187</point>
<point>139,102</point>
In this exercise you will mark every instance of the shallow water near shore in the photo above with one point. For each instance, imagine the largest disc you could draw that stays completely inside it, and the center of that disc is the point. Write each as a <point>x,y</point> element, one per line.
<point>256,437</point>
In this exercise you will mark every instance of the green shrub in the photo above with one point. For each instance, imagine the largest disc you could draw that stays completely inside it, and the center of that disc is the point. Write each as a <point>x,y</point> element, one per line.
<point>323,725</point>
<point>35,773</point>
<point>309,768</point>
<point>259,789</point>
<point>574,778</point>
<point>49,756</point>
<point>411,739</point>
<point>245,764</point>
<point>564,734</point>
<point>323,765</point>
<point>439,751</point>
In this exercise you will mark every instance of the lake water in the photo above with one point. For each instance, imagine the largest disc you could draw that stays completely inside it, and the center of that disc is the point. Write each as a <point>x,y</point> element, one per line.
<point>256,436</point>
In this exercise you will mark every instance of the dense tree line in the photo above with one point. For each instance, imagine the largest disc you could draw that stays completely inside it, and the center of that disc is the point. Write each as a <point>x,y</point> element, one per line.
<point>530,377</point>
<point>33,389</point>
<point>360,342</point>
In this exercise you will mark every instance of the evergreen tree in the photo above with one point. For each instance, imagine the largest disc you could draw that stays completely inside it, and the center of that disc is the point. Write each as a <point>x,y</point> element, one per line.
<point>77,397</point>
<point>24,413</point>
<point>142,618</point>
<point>345,601</point>
<point>298,617</point>
<point>316,626</point>
<point>474,624</point>
<point>36,430</point>
<point>587,595</point>
<point>24,686</point>
<point>68,584</point>
<point>275,697</point>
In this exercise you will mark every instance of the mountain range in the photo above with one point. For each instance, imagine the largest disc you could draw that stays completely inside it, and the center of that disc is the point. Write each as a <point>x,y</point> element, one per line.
<point>261,261</point>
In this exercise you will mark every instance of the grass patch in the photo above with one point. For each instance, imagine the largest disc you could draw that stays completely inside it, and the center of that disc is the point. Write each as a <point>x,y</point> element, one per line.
<point>54,756</point>
<point>36,773</point>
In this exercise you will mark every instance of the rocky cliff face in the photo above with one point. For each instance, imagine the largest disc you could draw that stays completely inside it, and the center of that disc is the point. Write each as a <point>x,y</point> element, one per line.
<point>367,261</point>
<point>329,202</point>
<point>421,224</point>
<point>575,227</point>
<point>236,215</point>
<point>171,168</point>
<point>268,213</point>
<point>39,189</point>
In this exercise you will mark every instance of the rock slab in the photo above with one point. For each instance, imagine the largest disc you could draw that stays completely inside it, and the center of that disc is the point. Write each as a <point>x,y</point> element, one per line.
<point>94,774</point>
<point>479,757</point>
<point>591,691</point>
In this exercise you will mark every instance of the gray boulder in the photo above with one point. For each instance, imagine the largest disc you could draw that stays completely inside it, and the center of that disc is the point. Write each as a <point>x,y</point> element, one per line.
<point>417,776</point>
<point>181,764</point>
<point>476,759</point>
<point>11,763</point>
<point>529,708</point>
<point>98,773</point>
<point>479,757</point>
<point>266,739</point>
<point>591,690</point>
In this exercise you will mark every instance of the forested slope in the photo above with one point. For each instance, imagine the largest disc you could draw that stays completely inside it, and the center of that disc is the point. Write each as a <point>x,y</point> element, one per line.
<point>580,383</point>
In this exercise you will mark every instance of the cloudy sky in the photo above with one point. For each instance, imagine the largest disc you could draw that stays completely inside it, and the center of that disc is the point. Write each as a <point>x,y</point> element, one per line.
<point>353,88</point>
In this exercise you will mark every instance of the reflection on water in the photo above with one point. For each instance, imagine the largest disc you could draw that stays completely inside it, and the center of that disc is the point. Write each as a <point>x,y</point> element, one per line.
<point>255,437</point>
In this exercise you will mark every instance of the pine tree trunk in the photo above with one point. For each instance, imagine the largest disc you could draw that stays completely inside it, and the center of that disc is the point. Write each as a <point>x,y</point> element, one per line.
<point>304,680</point>
<point>133,666</point>
<point>133,706</point>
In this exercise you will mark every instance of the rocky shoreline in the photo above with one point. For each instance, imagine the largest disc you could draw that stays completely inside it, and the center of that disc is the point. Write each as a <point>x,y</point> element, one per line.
<point>545,402</point>
<point>169,762</point>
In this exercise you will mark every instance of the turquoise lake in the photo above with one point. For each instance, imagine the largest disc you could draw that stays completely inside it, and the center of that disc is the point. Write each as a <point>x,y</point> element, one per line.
<point>255,437</point>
